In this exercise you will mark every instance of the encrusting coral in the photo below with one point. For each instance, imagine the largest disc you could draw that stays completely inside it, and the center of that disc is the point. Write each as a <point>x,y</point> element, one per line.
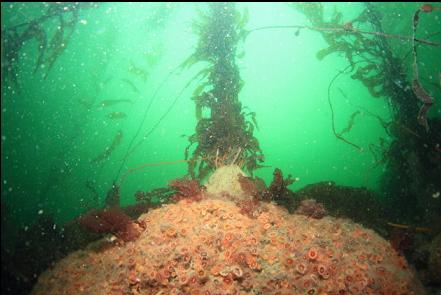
<point>210,247</point>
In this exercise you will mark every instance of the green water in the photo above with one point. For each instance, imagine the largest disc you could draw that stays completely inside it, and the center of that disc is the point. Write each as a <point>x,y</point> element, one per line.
<point>46,127</point>
<point>54,126</point>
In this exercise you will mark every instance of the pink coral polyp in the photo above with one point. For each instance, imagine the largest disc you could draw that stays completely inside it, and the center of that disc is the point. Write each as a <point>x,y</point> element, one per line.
<point>297,255</point>
<point>301,268</point>
<point>312,254</point>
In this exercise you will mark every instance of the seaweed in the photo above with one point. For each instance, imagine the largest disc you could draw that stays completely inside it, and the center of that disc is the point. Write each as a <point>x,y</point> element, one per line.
<point>226,130</point>
<point>277,191</point>
<point>350,123</point>
<point>311,208</point>
<point>162,195</point>
<point>186,189</point>
<point>410,176</point>
<point>417,88</point>
<point>278,188</point>
<point>113,196</point>
<point>111,220</point>
<point>134,169</point>
<point>250,186</point>
<point>351,43</point>
<point>132,146</point>
<point>331,107</point>
<point>109,149</point>
<point>49,47</point>
<point>371,58</point>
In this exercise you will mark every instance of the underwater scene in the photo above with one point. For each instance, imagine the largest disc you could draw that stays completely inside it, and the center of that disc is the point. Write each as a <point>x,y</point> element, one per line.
<point>220,148</point>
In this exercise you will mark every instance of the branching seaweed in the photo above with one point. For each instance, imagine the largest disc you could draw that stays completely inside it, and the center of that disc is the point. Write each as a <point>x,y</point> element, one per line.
<point>381,73</point>
<point>350,124</point>
<point>49,48</point>
<point>226,128</point>
<point>417,88</point>
<point>350,42</point>
<point>109,149</point>
<point>339,135</point>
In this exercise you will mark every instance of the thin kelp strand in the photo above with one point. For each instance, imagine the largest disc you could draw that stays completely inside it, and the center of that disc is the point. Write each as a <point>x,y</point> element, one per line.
<point>417,88</point>
<point>131,170</point>
<point>350,124</point>
<point>162,117</point>
<point>144,117</point>
<point>332,110</point>
<point>347,31</point>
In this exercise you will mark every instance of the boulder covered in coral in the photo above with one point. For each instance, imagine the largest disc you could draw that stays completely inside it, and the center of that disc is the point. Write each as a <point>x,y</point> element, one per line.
<point>211,247</point>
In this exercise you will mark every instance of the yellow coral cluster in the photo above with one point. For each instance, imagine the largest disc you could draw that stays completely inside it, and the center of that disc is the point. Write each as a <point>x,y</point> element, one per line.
<point>209,247</point>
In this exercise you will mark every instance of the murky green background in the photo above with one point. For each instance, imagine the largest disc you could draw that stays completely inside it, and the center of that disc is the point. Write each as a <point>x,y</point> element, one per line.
<point>52,128</point>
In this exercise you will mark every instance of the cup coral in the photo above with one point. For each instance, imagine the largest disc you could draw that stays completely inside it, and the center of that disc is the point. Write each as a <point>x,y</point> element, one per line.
<point>295,255</point>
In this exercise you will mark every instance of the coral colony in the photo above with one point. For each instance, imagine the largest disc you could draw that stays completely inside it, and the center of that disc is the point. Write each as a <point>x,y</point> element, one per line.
<point>205,244</point>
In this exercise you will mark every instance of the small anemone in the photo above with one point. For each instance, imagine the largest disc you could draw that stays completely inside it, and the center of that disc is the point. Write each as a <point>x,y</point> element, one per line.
<point>301,268</point>
<point>229,236</point>
<point>349,280</point>
<point>184,279</point>
<point>323,271</point>
<point>237,271</point>
<point>312,254</point>
<point>131,261</point>
<point>227,280</point>
<point>201,273</point>
<point>193,280</point>
<point>289,262</point>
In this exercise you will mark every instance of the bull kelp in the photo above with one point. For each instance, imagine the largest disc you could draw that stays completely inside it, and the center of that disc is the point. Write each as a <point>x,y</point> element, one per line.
<point>221,148</point>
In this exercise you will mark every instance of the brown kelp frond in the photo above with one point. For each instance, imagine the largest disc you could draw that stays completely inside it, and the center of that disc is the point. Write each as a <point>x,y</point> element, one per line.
<point>382,73</point>
<point>134,169</point>
<point>346,39</point>
<point>49,48</point>
<point>391,127</point>
<point>155,196</point>
<point>339,135</point>
<point>314,12</point>
<point>417,88</point>
<point>109,149</point>
<point>132,146</point>
<point>223,133</point>
<point>350,123</point>
<point>409,227</point>
<point>347,28</point>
